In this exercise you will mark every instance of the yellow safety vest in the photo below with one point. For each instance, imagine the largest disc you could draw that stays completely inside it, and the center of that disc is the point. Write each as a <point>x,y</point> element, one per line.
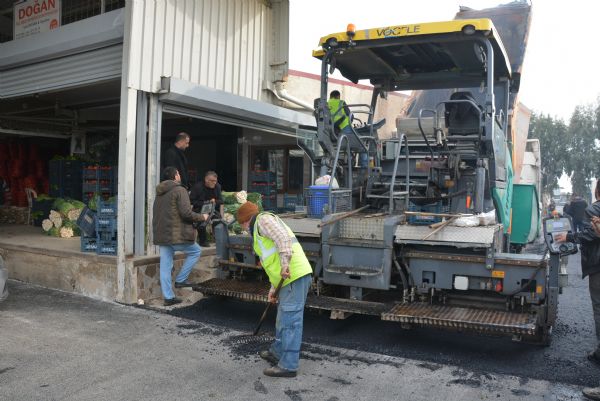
<point>336,108</point>
<point>269,256</point>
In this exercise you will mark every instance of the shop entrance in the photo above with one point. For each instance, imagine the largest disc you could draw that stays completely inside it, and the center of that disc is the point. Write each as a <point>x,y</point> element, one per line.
<point>213,147</point>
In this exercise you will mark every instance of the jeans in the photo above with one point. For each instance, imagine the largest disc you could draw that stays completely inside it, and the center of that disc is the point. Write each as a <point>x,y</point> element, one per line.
<point>192,252</point>
<point>594,280</point>
<point>578,226</point>
<point>288,327</point>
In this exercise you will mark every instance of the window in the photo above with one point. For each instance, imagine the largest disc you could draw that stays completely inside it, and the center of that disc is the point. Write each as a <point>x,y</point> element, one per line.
<point>286,162</point>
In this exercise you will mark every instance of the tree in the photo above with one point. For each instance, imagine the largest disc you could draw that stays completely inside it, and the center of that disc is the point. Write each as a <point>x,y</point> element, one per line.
<point>583,151</point>
<point>554,144</point>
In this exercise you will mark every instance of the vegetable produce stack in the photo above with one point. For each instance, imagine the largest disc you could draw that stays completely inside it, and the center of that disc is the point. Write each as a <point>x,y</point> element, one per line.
<point>63,217</point>
<point>233,201</point>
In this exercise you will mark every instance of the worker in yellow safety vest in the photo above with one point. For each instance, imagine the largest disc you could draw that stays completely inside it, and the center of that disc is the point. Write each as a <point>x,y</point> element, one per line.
<point>340,113</point>
<point>282,257</point>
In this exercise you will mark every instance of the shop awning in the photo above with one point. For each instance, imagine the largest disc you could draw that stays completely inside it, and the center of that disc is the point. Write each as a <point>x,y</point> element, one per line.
<point>197,101</point>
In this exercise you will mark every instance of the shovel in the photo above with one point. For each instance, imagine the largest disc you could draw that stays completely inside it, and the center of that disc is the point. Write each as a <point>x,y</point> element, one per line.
<point>264,315</point>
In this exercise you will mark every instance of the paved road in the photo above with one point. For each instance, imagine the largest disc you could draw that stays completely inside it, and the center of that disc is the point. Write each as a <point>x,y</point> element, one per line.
<point>58,346</point>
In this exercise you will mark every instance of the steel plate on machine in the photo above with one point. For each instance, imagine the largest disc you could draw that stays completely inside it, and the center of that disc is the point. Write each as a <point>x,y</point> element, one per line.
<point>452,317</point>
<point>482,236</point>
<point>304,227</point>
<point>244,290</point>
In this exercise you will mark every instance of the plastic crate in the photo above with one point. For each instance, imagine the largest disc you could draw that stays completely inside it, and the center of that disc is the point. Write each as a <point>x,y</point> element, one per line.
<point>107,208</point>
<point>106,223</point>
<point>106,247</point>
<point>88,244</point>
<point>317,198</point>
<point>106,236</point>
<point>87,222</point>
<point>291,201</point>
<point>426,220</point>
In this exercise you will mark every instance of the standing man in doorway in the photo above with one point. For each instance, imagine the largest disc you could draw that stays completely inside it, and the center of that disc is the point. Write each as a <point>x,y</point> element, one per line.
<point>284,261</point>
<point>208,190</point>
<point>173,231</point>
<point>175,157</point>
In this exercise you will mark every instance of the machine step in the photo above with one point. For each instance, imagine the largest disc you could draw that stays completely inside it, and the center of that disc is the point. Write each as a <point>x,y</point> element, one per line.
<point>458,318</point>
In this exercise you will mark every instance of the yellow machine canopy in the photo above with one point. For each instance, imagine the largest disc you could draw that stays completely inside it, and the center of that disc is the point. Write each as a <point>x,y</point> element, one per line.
<point>418,56</point>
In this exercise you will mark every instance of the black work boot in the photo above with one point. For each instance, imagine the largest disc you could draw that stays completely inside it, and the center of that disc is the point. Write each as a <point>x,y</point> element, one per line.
<point>172,301</point>
<point>594,357</point>
<point>269,357</point>
<point>593,393</point>
<point>276,371</point>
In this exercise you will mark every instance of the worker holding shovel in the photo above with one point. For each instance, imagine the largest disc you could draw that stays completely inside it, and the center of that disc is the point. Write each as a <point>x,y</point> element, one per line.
<point>289,271</point>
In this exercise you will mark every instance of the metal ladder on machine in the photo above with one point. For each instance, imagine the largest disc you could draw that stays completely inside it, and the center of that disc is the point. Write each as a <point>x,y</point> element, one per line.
<point>394,195</point>
<point>353,143</point>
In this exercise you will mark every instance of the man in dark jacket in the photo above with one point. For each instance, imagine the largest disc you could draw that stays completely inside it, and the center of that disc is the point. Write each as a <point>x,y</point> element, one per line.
<point>577,211</point>
<point>173,231</point>
<point>207,191</point>
<point>175,157</point>
<point>590,266</point>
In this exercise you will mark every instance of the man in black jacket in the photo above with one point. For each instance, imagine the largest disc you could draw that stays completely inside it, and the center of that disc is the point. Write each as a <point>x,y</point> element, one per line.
<point>175,157</point>
<point>577,211</point>
<point>589,239</point>
<point>208,190</point>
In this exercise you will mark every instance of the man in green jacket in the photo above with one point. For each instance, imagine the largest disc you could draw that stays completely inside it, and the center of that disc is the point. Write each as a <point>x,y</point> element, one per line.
<point>284,261</point>
<point>173,231</point>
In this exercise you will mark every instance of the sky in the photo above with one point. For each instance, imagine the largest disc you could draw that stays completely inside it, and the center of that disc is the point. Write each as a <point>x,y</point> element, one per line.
<point>562,62</point>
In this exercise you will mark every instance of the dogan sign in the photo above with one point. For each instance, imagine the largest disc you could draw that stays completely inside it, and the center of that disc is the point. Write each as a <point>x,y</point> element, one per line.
<point>35,16</point>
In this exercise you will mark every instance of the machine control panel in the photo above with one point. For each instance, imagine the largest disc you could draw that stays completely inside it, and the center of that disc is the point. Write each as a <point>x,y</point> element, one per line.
<point>553,227</point>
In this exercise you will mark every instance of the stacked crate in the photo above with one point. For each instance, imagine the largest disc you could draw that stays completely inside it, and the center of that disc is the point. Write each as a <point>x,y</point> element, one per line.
<point>264,182</point>
<point>106,228</point>
<point>87,224</point>
<point>98,179</point>
<point>65,178</point>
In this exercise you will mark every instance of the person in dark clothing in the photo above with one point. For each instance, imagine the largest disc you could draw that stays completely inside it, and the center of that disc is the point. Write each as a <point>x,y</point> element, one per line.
<point>173,231</point>
<point>576,210</point>
<point>4,192</point>
<point>589,239</point>
<point>208,190</point>
<point>175,157</point>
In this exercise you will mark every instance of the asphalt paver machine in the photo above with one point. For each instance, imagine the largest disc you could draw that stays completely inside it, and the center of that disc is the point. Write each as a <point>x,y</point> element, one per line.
<point>396,252</point>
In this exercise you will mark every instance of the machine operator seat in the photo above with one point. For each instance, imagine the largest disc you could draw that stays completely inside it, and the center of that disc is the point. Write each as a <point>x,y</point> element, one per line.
<point>366,129</point>
<point>462,118</point>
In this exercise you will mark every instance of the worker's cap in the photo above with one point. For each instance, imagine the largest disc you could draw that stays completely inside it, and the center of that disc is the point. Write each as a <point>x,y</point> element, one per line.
<point>246,212</point>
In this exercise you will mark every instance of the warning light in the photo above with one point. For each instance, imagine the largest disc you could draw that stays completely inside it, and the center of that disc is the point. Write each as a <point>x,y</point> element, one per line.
<point>350,30</point>
<point>498,286</point>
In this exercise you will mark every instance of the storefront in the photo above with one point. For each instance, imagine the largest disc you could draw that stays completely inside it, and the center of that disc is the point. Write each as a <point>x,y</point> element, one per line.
<point>111,86</point>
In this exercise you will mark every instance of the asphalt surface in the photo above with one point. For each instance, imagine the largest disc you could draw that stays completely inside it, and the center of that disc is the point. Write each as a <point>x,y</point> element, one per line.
<point>563,361</point>
<point>60,346</point>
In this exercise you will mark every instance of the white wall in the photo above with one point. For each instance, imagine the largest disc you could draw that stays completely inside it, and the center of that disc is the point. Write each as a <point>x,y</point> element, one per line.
<point>221,44</point>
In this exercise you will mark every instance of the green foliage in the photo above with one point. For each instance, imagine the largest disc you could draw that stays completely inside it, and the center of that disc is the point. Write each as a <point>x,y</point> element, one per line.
<point>573,149</point>
<point>552,134</point>
<point>228,198</point>
<point>583,153</point>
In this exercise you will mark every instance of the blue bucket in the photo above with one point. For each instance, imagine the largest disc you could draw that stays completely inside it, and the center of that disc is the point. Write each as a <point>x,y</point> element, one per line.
<point>318,196</point>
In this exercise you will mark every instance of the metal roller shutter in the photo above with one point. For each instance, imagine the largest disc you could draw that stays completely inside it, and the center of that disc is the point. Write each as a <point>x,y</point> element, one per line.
<point>70,71</point>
